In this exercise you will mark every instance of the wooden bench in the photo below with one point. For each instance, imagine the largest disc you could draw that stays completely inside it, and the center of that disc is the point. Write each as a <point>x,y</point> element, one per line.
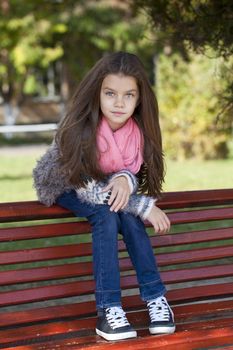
<point>47,286</point>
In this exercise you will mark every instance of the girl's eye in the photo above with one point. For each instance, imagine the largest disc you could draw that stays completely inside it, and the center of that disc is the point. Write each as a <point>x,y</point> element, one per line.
<point>110,93</point>
<point>130,94</point>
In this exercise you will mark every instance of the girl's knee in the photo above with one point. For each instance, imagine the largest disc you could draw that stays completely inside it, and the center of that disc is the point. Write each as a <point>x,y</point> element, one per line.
<point>131,220</point>
<point>103,216</point>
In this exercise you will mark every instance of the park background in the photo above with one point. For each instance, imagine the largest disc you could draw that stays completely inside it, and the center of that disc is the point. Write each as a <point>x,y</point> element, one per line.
<point>46,47</point>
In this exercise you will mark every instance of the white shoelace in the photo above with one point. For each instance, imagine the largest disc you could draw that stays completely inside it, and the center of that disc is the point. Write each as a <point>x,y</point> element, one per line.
<point>159,310</point>
<point>116,317</point>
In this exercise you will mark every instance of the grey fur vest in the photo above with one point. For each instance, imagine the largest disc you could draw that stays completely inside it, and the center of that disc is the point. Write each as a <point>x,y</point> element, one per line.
<point>50,182</point>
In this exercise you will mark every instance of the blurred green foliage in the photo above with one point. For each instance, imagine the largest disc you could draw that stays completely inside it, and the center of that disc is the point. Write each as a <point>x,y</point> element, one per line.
<point>77,33</point>
<point>189,102</point>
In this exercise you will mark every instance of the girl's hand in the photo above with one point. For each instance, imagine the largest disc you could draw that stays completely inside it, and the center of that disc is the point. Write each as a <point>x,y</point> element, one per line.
<point>120,193</point>
<point>159,220</point>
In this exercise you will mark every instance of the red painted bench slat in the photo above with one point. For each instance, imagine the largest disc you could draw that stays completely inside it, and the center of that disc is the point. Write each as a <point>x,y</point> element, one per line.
<point>43,231</point>
<point>171,200</point>
<point>201,215</point>
<point>32,210</point>
<point>192,237</point>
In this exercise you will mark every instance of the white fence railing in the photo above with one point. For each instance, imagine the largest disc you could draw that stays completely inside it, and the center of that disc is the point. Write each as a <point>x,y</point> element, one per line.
<point>10,129</point>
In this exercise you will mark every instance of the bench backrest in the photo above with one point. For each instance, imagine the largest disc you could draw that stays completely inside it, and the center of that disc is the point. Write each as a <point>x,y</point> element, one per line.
<point>46,257</point>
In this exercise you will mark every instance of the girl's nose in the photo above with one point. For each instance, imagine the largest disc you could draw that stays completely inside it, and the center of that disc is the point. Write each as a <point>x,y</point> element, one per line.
<point>119,101</point>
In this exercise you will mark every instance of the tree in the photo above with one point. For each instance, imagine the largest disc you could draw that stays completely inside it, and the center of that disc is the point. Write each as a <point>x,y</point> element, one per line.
<point>202,27</point>
<point>96,28</point>
<point>23,48</point>
<point>199,23</point>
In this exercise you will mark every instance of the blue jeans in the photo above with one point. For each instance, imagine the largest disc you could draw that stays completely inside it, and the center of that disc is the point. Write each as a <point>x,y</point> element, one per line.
<point>105,228</point>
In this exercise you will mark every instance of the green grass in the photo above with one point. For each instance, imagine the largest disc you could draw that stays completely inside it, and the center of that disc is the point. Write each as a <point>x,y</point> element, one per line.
<point>16,175</point>
<point>194,175</point>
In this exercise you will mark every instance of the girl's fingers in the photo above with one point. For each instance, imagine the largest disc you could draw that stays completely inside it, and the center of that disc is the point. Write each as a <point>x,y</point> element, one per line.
<point>126,202</point>
<point>159,220</point>
<point>108,187</point>
<point>116,206</point>
<point>163,224</point>
<point>113,196</point>
<point>167,221</point>
<point>161,229</point>
<point>123,203</point>
<point>119,202</point>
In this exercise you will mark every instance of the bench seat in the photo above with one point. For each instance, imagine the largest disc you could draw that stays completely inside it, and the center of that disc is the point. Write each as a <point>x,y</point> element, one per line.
<point>47,287</point>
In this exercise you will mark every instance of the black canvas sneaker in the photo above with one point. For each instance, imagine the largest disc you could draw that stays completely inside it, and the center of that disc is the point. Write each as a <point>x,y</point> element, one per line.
<point>112,324</point>
<point>161,316</point>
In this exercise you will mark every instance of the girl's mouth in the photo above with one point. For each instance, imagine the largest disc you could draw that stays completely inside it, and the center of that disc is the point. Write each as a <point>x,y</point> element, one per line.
<point>118,113</point>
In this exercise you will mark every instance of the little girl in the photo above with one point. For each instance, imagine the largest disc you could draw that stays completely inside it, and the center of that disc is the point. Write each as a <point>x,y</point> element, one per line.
<point>106,164</point>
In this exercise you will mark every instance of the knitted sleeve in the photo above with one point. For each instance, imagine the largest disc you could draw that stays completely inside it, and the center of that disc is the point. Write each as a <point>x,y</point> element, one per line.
<point>138,205</point>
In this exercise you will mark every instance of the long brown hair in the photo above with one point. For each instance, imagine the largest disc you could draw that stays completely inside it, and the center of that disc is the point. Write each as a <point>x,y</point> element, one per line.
<point>76,136</point>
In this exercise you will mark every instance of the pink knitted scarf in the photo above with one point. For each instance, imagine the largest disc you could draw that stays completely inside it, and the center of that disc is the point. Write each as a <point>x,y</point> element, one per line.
<point>121,149</point>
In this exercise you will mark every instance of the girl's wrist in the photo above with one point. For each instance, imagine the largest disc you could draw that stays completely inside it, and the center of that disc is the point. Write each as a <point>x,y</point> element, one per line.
<point>132,181</point>
<point>150,205</point>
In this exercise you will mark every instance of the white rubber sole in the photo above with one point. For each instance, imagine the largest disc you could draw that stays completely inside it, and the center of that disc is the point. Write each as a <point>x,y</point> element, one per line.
<point>162,330</point>
<point>119,336</point>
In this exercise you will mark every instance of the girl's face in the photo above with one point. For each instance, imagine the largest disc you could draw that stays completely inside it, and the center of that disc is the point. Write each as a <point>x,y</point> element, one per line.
<point>118,99</point>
